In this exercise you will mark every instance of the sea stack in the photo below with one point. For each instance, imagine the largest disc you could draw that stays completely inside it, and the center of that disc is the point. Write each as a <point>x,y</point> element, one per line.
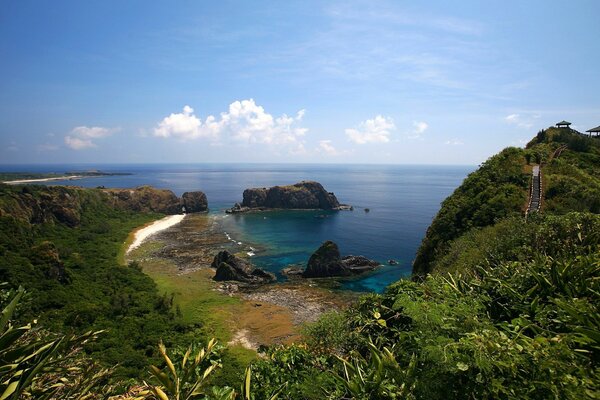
<point>305,195</point>
<point>327,262</point>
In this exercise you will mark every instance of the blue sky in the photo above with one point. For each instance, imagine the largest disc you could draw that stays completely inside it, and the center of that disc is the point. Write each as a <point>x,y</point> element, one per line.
<point>429,82</point>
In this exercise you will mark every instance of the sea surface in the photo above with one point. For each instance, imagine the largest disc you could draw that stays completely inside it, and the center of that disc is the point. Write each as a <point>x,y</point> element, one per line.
<point>402,200</point>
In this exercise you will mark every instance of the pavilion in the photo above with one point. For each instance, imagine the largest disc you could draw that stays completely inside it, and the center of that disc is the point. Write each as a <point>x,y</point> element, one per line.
<point>594,131</point>
<point>563,124</point>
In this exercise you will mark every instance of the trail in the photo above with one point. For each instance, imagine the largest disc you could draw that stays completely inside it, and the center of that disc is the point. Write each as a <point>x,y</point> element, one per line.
<point>535,193</point>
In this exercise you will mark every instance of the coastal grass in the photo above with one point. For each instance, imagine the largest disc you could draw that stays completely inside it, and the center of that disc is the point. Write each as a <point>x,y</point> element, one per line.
<point>199,304</point>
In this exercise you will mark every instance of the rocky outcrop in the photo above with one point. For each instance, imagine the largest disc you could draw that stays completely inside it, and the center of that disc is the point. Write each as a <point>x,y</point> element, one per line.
<point>149,199</point>
<point>194,202</point>
<point>302,195</point>
<point>48,204</point>
<point>232,268</point>
<point>327,262</point>
<point>37,205</point>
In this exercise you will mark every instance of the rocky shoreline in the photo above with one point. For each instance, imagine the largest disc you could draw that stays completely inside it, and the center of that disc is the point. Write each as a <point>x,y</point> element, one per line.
<point>190,247</point>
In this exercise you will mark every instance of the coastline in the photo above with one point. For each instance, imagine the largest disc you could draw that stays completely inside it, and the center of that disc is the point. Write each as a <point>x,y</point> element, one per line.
<point>57,178</point>
<point>142,234</point>
<point>178,260</point>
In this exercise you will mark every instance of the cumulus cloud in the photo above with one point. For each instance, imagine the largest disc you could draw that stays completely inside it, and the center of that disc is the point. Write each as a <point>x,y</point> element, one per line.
<point>326,147</point>
<point>76,143</point>
<point>81,137</point>
<point>245,121</point>
<point>419,127</point>
<point>376,130</point>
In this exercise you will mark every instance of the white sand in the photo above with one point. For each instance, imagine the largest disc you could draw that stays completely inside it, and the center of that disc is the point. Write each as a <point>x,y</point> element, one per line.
<point>58,178</point>
<point>156,226</point>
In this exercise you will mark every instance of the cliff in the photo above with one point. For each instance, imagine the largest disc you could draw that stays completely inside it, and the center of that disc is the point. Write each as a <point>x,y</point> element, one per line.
<point>149,199</point>
<point>302,195</point>
<point>42,204</point>
<point>498,192</point>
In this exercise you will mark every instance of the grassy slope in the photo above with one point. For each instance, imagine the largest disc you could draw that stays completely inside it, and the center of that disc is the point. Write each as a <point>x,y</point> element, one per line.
<point>498,190</point>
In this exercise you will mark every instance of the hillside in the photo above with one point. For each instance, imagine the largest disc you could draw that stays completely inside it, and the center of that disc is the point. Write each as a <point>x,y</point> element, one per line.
<point>62,244</point>
<point>498,190</point>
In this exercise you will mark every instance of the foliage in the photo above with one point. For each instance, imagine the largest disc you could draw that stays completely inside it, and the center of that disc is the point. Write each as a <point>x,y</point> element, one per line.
<point>97,293</point>
<point>36,364</point>
<point>498,189</point>
<point>186,376</point>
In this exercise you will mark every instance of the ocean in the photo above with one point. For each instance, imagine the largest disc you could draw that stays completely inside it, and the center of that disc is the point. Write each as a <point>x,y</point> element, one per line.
<point>402,200</point>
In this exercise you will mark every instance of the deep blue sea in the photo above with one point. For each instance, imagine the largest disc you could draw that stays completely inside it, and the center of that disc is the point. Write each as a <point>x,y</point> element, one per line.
<point>402,201</point>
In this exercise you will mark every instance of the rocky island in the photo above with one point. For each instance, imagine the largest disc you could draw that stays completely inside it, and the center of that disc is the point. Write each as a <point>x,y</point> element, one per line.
<point>305,195</point>
<point>327,262</point>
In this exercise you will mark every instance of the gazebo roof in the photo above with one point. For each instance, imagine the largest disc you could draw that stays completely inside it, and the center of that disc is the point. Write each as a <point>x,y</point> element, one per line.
<point>563,123</point>
<point>596,129</point>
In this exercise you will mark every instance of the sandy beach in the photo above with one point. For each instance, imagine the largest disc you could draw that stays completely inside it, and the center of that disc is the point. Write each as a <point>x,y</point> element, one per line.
<point>155,227</point>
<point>58,178</point>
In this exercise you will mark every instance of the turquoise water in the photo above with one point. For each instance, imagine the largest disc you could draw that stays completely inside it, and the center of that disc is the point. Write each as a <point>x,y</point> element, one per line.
<point>402,202</point>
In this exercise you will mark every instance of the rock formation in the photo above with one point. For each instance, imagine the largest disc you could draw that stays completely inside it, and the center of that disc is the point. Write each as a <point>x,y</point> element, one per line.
<point>302,195</point>
<point>38,204</point>
<point>327,262</point>
<point>232,268</point>
<point>194,202</point>
<point>149,199</point>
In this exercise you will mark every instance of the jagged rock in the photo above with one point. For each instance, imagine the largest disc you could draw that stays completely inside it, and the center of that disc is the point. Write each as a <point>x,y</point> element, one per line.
<point>302,195</point>
<point>391,261</point>
<point>194,202</point>
<point>145,199</point>
<point>232,268</point>
<point>327,262</point>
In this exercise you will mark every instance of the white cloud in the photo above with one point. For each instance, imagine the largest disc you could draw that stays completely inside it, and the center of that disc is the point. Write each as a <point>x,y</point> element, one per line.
<point>522,121</point>
<point>419,127</point>
<point>326,147</point>
<point>81,137</point>
<point>376,130</point>
<point>76,143</point>
<point>245,121</point>
<point>453,142</point>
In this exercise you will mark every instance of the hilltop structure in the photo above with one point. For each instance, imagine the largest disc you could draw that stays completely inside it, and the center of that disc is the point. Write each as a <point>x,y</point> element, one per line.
<point>594,131</point>
<point>563,124</point>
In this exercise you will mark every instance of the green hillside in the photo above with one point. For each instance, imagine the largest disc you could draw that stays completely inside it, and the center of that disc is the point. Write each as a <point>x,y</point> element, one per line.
<point>498,190</point>
<point>61,244</point>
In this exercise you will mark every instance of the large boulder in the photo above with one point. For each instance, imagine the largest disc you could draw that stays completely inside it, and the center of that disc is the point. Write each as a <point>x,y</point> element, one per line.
<point>232,268</point>
<point>194,202</point>
<point>327,262</point>
<point>302,195</point>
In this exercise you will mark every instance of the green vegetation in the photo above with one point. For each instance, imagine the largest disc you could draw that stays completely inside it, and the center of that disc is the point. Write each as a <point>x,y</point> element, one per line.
<point>73,277</point>
<point>499,190</point>
<point>503,306</point>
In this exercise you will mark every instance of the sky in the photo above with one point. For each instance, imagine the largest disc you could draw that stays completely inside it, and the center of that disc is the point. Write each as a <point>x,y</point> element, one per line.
<point>387,82</point>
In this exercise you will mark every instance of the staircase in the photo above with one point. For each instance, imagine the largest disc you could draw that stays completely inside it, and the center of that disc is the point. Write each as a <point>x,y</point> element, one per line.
<point>535,194</point>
